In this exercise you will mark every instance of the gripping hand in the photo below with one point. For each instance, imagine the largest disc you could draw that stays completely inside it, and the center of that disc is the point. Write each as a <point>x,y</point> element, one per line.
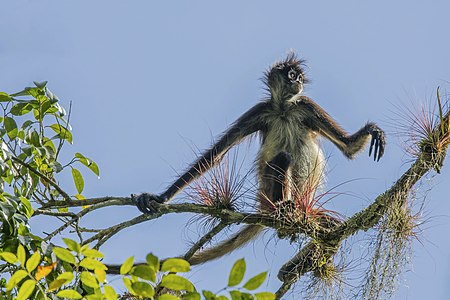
<point>147,203</point>
<point>378,140</point>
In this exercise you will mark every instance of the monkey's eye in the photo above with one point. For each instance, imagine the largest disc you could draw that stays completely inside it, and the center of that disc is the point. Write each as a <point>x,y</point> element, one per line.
<point>300,78</point>
<point>292,75</point>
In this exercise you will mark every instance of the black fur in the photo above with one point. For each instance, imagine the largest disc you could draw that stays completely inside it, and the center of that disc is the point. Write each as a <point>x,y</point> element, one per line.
<point>288,124</point>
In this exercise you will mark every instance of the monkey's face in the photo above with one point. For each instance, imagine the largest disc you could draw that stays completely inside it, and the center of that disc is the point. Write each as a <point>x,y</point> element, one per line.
<point>294,79</point>
<point>286,79</point>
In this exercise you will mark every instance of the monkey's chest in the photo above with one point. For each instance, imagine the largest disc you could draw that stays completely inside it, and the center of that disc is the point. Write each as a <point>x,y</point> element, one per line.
<point>292,138</point>
<point>298,140</point>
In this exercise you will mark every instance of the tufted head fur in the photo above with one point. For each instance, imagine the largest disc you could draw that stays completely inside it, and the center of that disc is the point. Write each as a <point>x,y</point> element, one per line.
<point>285,78</point>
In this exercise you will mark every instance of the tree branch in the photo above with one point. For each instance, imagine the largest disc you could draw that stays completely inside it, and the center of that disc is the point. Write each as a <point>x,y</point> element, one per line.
<point>326,245</point>
<point>42,176</point>
<point>206,238</point>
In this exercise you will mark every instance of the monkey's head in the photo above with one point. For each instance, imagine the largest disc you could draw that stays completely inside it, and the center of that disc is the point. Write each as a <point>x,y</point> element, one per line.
<point>286,78</point>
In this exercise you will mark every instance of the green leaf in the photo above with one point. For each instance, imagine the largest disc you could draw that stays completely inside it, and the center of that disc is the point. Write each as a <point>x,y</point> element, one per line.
<point>80,197</point>
<point>191,296</point>
<point>66,276</point>
<point>62,132</point>
<point>72,245</point>
<point>64,255</point>
<point>235,295</point>
<point>68,267</point>
<point>95,296</point>
<point>92,253</point>
<point>27,91</point>
<point>21,135</point>
<point>15,279</point>
<point>221,298</point>
<point>27,124</point>
<point>92,264</point>
<point>33,261</point>
<point>177,283</point>
<point>237,272</point>
<point>33,138</point>
<point>4,97</point>
<point>78,180</point>
<point>56,166</point>
<point>209,295</point>
<point>89,279</point>
<point>110,293</point>
<point>144,272</point>
<point>21,255</point>
<point>26,289</point>
<point>88,163</point>
<point>9,257</point>
<point>85,247</point>
<point>247,296</point>
<point>127,283</point>
<point>175,265</point>
<point>255,282</point>
<point>143,289</point>
<point>11,127</point>
<point>101,275</point>
<point>153,262</point>
<point>21,109</point>
<point>70,294</point>
<point>127,265</point>
<point>27,205</point>
<point>48,143</point>
<point>168,297</point>
<point>94,168</point>
<point>56,284</point>
<point>265,296</point>
<point>40,84</point>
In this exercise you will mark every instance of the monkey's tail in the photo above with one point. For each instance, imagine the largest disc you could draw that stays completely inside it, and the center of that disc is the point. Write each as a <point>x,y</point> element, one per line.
<point>238,240</point>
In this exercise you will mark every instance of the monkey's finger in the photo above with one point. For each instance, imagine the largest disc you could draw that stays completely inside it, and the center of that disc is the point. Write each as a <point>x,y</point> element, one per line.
<point>382,145</point>
<point>152,207</point>
<point>371,145</point>
<point>146,204</point>
<point>141,205</point>
<point>375,152</point>
<point>137,202</point>
<point>380,154</point>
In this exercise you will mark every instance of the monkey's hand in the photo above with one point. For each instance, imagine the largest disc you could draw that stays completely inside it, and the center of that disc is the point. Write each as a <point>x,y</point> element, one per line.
<point>378,140</point>
<point>147,203</point>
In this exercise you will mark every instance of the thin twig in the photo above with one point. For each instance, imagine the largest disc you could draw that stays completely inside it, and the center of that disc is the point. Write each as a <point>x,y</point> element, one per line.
<point>77,216</point>
<point>87,202</point>
<point>51,182</point>
<point>106,234</point>
<point>206,238</point>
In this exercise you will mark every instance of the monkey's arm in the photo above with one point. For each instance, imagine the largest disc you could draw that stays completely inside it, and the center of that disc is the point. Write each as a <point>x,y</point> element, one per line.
<point>247,124</point>
<point>322,122</point>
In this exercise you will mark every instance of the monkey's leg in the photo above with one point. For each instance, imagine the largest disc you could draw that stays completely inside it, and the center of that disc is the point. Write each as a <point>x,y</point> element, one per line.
<point>276,176</point>
<point>273,186</point>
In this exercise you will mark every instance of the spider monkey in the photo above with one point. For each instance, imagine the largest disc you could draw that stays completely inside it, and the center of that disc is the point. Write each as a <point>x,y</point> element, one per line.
<point>289,125</point>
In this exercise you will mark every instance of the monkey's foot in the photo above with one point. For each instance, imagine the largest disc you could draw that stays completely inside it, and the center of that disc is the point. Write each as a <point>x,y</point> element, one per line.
<point>147,203</point>
<point>378,140</point>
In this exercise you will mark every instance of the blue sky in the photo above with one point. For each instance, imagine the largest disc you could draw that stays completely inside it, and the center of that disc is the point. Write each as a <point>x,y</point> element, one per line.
<point>152,80</point>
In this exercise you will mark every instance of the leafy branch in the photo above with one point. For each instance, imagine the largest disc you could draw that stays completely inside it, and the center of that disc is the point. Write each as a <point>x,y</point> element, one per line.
<point>29,166</point>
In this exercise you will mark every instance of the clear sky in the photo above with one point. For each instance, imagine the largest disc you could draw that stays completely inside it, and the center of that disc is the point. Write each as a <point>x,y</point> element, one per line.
<point>152,80</point>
